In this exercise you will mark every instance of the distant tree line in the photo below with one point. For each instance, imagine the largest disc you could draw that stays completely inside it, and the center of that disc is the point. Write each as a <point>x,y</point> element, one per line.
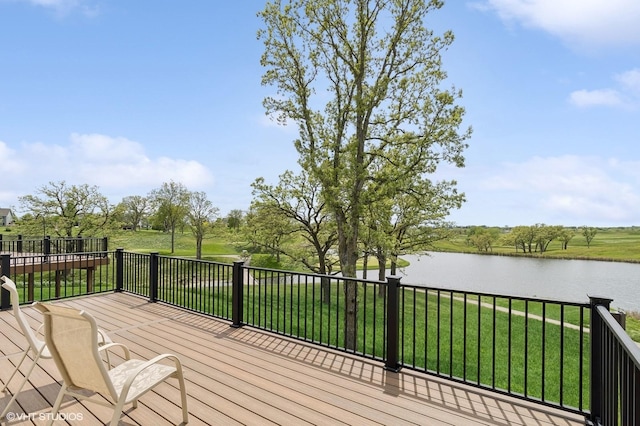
<point>527,239</point>
<point>67,210</point>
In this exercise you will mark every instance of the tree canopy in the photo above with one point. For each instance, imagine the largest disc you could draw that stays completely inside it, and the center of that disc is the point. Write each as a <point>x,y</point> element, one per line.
<point>171,202</point>
<point>70,210</point>
<point>199,216</point>
<point>362,80</point>
<point>297,200</point>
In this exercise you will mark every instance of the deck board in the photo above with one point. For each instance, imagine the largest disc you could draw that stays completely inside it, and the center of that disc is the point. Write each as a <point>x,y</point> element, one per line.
<point>246,376</point>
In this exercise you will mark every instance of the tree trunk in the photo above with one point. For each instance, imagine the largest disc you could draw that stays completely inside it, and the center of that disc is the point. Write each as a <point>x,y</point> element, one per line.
<point>348,253</point>
<point>365,262</point>
<point>394,264</point>
<point>382,271</point>
<point>325,283</point>
<point>199,248</point>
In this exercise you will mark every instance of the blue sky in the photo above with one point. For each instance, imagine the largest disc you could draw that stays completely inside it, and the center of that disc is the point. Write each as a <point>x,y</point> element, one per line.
<point>127,94</point>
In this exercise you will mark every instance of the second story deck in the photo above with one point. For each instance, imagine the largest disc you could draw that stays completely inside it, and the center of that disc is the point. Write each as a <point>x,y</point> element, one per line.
<point>248,376</point>
<point>271,346</point>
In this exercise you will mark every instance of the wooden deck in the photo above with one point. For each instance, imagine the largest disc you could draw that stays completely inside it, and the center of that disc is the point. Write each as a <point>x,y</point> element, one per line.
<point>244,376</point>
<point>32,263</point>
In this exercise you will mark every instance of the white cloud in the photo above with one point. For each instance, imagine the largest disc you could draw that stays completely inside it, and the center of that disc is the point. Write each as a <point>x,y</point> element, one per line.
<point>584,23</point>
<point>118,166</point>
<point>10,161</point>
<point>571,188</point>
<point>590,98</point>
<point>630,80</point>
<point>626,95</point>
<point>96,147</point>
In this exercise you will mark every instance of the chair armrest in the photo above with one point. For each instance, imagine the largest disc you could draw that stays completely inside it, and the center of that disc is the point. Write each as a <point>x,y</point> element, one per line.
<point>103,338</point>
<point>108,347</point>
<point>156,360</point>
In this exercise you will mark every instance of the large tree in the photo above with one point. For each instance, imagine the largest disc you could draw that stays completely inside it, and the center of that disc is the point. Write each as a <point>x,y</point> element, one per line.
<point>411,220</point>
<point>234,219</point>
<point>171,202</point>
<point>363,81</point>
<point>135,209</point>
<point>298,199</point>
<point>200,215</point>
<point>70,210</point>
<point>266,228</point>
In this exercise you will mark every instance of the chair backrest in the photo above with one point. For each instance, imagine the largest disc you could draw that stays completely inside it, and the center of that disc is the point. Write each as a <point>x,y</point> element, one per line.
<point>34,343</point>
<point>72,339</point>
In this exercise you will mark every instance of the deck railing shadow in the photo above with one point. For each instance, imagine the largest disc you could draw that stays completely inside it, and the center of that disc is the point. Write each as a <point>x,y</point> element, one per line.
<point>566,355</point>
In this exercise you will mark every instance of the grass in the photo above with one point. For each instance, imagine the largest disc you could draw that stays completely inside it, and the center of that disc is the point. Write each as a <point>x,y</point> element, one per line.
<point>570,314</point>
<point>633,326</point>
<point>74,283</point>
<point>496,349</point>
<point>184,245</point>
<point>610,244</point>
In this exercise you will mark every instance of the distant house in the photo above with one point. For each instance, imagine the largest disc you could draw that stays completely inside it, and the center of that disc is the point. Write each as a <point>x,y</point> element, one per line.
<point>6,217</point>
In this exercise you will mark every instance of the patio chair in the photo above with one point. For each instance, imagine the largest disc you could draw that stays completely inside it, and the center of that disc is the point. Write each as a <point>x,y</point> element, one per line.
<point>37,347</point>
<point>72,339</point>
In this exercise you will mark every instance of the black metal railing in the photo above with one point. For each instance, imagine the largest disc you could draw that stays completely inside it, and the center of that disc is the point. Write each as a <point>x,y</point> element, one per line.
<point>201,286</point>
<point>133,270</point>
<point>311,307</point>
<point>56,276</point>
<point>528,348</point>
<point>47,245</point>
<point>565,355</point>
<point>615,371</point>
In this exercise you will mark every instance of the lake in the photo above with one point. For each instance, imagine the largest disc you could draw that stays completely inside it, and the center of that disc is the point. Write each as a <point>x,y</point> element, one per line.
<point>565,280</point>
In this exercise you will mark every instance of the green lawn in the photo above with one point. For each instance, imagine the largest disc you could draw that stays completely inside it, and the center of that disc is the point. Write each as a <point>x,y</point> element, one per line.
<point>214,247</point>
<point>620,244</point>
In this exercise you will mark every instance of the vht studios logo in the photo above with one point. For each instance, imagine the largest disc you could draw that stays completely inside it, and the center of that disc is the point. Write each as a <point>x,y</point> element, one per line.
<point>44,416</point>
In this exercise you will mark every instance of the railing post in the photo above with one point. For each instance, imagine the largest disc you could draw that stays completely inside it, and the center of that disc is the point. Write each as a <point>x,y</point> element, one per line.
<point>19,244</point>
<point>597,344</point>
<point>119,269</point>
<point>237,296</point>
<point>46,247</point>
<point>153,277</point>
<point>392,364</point>
<point>105,245</point>
<point>5,265</point>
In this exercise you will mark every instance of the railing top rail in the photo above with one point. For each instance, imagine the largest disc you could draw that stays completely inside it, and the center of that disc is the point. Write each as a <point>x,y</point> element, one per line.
<point>24,238</point>
<point>70,254</point>
<point>190,259</point>
<point>311,274</point>
<point>629,346</point>
<point>585,304</point>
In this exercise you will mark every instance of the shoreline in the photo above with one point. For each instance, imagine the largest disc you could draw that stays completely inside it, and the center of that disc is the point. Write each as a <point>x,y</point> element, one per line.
<point>540,256</point>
